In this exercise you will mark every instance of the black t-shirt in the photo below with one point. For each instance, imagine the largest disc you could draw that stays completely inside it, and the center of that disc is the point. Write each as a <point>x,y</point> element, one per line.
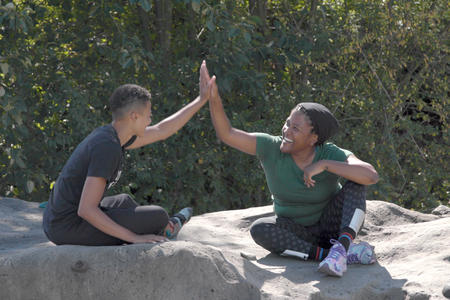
<point>98,155</point>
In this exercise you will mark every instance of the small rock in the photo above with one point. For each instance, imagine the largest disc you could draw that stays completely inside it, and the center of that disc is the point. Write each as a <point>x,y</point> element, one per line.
<point>248,256</point>
<point>446,291</point>
<point>441,210</point>
<point>80,266</point>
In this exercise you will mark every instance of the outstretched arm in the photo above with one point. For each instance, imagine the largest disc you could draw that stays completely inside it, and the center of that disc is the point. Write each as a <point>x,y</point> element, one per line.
<point>353,169</point>
<point>241,140</point>
<point>172,124</point>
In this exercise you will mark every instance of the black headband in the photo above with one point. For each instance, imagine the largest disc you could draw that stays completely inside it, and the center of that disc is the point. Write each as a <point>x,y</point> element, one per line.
<point>323,122</point>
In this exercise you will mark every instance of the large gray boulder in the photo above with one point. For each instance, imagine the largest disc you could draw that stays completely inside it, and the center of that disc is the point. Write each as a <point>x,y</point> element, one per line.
<point>206,263</point>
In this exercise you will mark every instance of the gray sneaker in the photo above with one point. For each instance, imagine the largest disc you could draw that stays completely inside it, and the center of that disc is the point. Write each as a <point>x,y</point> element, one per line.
<point>177,221</point>
<point>185,215</point>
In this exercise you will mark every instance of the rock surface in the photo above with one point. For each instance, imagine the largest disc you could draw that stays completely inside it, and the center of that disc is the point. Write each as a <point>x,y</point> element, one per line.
<point>205,262</point>
<point>441,210</point>
<point>446,291</point>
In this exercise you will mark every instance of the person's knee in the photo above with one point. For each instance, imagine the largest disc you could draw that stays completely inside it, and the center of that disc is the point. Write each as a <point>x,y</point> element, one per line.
<point>161,215</point>
<point>263,235</point>
<point>355,186</point>
<point>258,228</point>
<point>123,196</point>
<point>255,230</point>
<point>260,234</point>
<point>148,219</point>
<point>126,198</point>
<point>124,201</point>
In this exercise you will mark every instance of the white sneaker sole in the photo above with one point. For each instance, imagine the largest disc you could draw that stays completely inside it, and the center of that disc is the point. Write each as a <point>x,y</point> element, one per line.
<point>324,268</point>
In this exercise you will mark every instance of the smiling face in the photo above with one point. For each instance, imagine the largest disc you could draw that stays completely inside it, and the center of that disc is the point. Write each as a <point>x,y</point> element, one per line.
<point>297,133</point>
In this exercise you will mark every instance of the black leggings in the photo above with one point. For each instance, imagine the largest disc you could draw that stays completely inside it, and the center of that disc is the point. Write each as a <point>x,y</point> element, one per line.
<point>277,234</point>
<point>122,209</point>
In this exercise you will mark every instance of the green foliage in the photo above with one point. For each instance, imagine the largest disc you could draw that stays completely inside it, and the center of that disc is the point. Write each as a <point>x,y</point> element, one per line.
<point>380,66</point>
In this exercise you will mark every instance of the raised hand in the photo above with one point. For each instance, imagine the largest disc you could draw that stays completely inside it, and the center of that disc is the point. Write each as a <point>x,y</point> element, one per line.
<point>214,91</point>
<point>205,83</point>
<point>239,139</point>
<point>214,88</point>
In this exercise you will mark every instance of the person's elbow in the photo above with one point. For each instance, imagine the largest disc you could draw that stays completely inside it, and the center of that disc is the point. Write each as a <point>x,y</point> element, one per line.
<point>373,177</point>
<point>83,211</point>
<point>162,132</point>
<point>224,138</point>
<point>224,135</point>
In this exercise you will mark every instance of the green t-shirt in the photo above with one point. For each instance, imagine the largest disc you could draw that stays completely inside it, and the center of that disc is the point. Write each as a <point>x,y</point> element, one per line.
<point>291,197</point>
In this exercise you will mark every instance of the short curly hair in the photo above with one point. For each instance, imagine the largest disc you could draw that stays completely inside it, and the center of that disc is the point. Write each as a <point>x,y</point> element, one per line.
<point>125,97</point>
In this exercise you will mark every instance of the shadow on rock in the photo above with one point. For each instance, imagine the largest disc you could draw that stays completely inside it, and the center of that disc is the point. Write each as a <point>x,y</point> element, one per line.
<point>359,282</point>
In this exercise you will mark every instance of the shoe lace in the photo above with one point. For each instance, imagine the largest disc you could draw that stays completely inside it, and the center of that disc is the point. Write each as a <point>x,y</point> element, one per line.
<point>335,252</point>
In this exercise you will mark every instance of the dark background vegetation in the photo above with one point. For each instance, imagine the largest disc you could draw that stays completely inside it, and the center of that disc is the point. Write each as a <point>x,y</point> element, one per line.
<point>381,66</point>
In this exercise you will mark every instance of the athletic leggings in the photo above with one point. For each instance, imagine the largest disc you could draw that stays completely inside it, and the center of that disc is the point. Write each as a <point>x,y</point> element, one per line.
<point>277,234</point>
<point>150,219</point>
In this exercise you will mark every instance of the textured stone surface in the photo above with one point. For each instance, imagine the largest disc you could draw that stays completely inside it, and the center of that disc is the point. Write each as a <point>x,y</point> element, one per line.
<point>205,262</point>
<point>441,210</point>
<point>446,291</point>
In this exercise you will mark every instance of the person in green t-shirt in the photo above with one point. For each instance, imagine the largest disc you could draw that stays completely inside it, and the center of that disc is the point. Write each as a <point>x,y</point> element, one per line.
<point>315,217</point>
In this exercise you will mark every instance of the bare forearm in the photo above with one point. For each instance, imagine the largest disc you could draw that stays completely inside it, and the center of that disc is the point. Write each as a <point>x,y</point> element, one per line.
<point>104,223</point>
<point>362,173</point>
<point>236,138</point>
<point>172,124</point>
<point>219,118</point>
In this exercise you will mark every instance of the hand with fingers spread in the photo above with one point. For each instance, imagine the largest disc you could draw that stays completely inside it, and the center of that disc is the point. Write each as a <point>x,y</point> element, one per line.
<point>213,89</point>
<point>236,138</point>
<point>205,83</point>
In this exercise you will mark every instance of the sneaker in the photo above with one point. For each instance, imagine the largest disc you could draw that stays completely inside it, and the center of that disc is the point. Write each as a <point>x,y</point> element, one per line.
<point>177,221</point>
<point>184,215</point>
<point>335,264</point>
<point>361,253</point>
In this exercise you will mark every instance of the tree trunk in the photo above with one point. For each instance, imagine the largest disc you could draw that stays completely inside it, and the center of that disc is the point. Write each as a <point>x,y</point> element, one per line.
<point>191,17</point>
<point>258,8</point>
<point>145,25</point>
<point>163,12</point>
<point>312,12</point>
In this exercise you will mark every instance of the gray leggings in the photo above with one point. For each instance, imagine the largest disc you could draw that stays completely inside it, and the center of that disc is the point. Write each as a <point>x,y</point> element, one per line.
<point>277,234</point>
<point>149,219</point>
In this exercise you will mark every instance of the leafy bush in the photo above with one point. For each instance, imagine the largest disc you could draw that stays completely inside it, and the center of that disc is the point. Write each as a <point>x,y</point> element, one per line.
<point>380,66</point>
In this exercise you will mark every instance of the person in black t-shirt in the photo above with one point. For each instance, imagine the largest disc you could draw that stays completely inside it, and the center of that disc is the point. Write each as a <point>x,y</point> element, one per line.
<point>77,213</point>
